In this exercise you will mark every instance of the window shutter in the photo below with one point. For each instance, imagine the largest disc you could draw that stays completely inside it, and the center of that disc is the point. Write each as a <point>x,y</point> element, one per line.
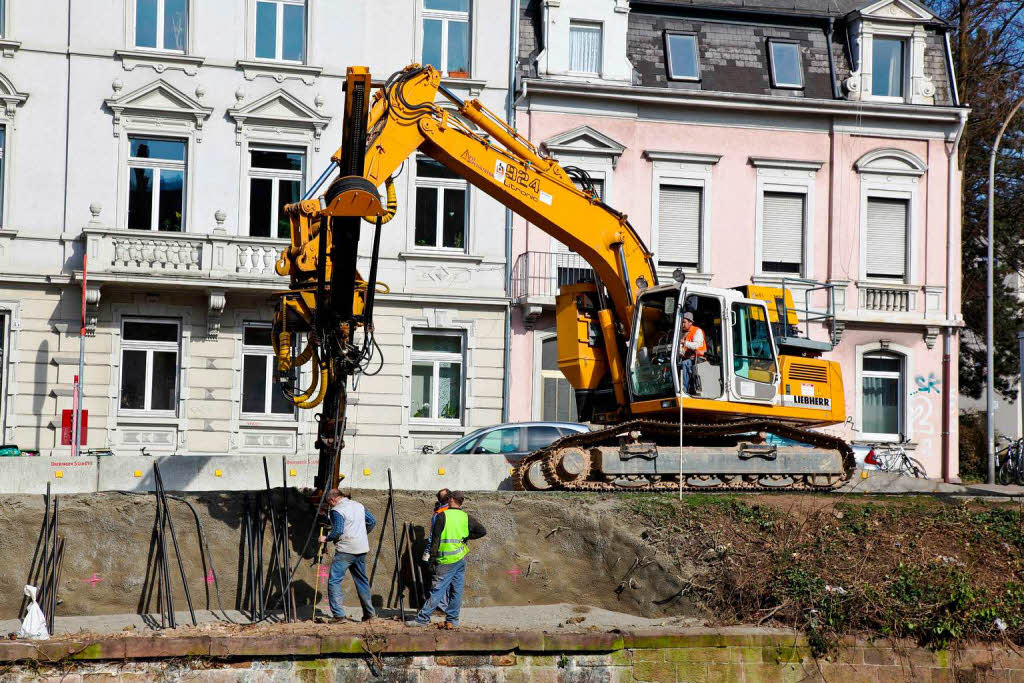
<point>782,228</point>
<point>886,238</point>
<point>679,214</point>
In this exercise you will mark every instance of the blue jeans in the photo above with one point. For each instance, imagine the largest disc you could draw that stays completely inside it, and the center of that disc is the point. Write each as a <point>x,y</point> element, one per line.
<point>448,583</point>
<point>357,565</point>
<point>687,371</point>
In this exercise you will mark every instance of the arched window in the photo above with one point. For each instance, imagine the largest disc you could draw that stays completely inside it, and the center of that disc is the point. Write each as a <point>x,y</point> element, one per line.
<point>883,377</point>
<point>557,398</point>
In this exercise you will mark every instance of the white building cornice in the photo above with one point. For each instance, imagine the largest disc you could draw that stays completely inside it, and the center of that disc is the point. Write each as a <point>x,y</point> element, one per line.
<point>279,109</point>
<point>159,100</point>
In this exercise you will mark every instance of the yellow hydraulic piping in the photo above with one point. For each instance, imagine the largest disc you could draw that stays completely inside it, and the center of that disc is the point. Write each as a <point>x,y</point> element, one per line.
<point>392,206</point>
<point>478,114</point>
<point>321,394</point>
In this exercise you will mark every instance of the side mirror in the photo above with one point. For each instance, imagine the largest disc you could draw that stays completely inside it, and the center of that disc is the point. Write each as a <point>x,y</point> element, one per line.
<point>426,450</point>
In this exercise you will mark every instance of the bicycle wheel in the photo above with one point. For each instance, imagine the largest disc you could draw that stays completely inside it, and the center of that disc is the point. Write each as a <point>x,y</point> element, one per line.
<point>913,466</point>
<point>1005,474</point>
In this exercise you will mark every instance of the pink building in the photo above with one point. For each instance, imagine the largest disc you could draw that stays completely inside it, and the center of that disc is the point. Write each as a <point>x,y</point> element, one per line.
<point>799,140</point>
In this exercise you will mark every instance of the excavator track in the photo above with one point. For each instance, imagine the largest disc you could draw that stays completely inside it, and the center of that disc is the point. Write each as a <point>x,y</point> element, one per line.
<point>581,475</point>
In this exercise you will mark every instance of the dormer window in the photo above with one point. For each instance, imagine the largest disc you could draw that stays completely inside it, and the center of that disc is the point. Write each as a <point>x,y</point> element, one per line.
<point>585,47</point>
<point>681,56</point>
<point>887,67</point>
<point>787,70</point>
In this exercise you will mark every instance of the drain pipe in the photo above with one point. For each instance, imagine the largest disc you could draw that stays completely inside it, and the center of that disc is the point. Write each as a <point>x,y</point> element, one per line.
<point>947,338</point>
<point>510,115</point>
<point>831,58</point>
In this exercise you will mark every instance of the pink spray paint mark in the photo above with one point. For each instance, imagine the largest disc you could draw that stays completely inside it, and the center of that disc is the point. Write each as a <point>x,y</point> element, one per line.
<point>515,575</point>
<point>209,576</point>
<point>93,580</point>
<point>323,575</point>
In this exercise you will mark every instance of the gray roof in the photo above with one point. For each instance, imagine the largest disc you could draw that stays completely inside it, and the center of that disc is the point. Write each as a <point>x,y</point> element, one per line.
<point>836,8</point>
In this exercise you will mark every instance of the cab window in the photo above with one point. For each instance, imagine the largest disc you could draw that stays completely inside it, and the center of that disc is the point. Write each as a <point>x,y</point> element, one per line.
<point>651,364</point>
<point>753,355</point>
<point>500,441</point>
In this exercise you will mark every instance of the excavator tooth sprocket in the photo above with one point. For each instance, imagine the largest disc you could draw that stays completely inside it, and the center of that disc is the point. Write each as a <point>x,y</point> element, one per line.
<point>568,464</point>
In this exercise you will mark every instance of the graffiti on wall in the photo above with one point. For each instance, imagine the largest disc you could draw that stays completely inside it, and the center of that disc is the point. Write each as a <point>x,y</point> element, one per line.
<point>922,408</point>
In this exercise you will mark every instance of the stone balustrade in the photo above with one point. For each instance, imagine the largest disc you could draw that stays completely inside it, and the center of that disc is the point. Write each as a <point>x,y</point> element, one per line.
<point>882,299</point>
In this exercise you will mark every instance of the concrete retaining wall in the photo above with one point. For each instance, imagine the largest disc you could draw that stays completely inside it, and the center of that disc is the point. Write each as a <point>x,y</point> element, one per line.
<point>245,473</point>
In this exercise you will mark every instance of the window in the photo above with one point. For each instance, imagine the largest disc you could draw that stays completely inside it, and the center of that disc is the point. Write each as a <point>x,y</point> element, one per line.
<point>557,397</point>
<point>156,184</point>
<point>541,436</point>
<point>585,47</point>
<point>260,392</point>
<point>436,376</point>
<point>887,67</point>
<point>149,365</point>
<point>161,24</point>
<point>505,440</point>
<point>886,239</point>
<point>683,63</point>
<point>679,220</point>
<point>882,394</point>
<point>446,36</point>
<point>753,355</point>
<point>782,232</point>
<point>275,179</point>
<point>3,160</point>
<point>281,30</point>
<point>442,206</point>
<point>787,71</point>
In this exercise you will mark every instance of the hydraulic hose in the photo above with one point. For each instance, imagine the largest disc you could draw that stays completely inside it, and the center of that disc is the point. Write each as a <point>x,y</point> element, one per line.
<point>392,205</point>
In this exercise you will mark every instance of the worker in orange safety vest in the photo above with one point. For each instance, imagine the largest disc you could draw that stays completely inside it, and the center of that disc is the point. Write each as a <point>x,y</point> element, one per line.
<point>692,347</point>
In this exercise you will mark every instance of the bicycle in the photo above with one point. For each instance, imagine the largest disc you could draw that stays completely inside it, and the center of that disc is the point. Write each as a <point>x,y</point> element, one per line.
<point>1011,462</point>
<point>892,457</point>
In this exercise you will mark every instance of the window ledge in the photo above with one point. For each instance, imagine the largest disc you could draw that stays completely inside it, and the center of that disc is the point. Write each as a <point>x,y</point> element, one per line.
<point>279,71</point>
<point>9,47</point>
<point>439,256</point>
<point>424,427</point>
<point>776,280</point>
<point>148,419</point>
<point>258,421</point>
<point>474,85</point>
<point>159,61</point>
<point>887,284</point>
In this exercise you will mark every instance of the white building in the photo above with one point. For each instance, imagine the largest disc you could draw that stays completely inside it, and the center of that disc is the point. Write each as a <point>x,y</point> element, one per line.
<point>162,136</point>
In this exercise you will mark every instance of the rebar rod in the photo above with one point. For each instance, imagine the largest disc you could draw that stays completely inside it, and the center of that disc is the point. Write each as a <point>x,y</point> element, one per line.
<point>174,540</point>
<point>394,533</point>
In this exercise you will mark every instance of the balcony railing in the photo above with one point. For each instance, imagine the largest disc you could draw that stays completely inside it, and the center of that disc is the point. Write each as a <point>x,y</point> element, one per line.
<point>881,299</point>
<point>540,274</point>
<point>183,258</point>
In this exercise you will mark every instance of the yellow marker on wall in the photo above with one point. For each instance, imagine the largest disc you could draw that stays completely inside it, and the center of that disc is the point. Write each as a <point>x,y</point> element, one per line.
<point>292,473</point>
<point>218,473</point>
<point>138,473</point>
<point>59,474</point>
<point>366,472</point>
<point>440,470</point>
<point>863,474</point>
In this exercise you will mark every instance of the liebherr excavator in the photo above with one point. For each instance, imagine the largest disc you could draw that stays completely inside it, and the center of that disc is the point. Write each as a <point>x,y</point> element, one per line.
<point>759,388</point>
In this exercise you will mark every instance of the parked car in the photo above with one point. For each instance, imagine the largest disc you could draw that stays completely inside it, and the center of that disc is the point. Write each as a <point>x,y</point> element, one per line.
<point>513,440</point>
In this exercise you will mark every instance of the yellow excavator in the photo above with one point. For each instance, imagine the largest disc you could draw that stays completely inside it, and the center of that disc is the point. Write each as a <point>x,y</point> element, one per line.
<point>752,395</point>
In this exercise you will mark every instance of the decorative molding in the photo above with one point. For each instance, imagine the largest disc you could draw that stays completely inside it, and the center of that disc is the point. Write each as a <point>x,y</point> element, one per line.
<point>439,256</point>
<point>682,157</point>
<point>840,328</point>
<point>786,164</point>
<point>159,61</point>
<point>92,308</point>
<point>159,100</point>
<point>474,86</point>
<point>10,96</point>
<point>891,161</point>
<point>931,333</point>
<point>216,301</point>
<point>898,9</point>
<point>279,71</point>
<point>279,109</point>
<point>585,141</point>
<point>9,47</point>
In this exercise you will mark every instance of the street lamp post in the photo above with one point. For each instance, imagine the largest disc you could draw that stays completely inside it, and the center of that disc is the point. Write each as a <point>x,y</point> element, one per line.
<point>989,325</point>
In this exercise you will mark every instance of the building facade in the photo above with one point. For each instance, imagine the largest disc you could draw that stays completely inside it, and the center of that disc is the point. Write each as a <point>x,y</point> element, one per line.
<point>161,138</point>
<point>795,141</point>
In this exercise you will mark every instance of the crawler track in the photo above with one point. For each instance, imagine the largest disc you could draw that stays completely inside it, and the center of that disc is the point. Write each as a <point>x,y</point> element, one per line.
<point>693,435</point>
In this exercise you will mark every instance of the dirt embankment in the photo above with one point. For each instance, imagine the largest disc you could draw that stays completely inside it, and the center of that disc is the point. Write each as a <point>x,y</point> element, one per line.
<point>540,549</point>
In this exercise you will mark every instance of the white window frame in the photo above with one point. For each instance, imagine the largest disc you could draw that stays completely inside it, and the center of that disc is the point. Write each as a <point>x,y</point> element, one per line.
<point>907,357</point>
<point>266,352</point>
<point>5,169</point>
<point>891,173</point>
<point>271,174</point>
<point>771,64</point>
<point>792,176</point>
<point>440,184</point>
<point>132,7</point>
<point>149,347</point>
<point>587,25</point>
<point>278,57</point>
<point>904,72</point>
<point>684,170</point>
<point>436,358</point>
<point>668,55</point>
<point>157,164</point>
<point>446,16</point>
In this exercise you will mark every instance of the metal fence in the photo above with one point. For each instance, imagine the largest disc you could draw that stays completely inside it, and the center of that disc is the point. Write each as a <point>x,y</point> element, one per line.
<point>542,273</point>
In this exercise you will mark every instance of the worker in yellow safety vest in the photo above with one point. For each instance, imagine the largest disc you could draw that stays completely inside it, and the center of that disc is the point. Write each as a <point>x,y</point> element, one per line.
<point>449,533</point>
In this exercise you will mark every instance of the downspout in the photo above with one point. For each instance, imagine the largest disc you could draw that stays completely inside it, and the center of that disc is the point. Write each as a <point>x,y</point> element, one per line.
<point>831,58</point>
<point>510,113</point>
<point>947,339</point>
<point>952,74</point>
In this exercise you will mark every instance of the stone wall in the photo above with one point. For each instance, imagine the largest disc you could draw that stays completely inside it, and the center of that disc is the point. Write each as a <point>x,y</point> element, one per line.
<point>696,655</point>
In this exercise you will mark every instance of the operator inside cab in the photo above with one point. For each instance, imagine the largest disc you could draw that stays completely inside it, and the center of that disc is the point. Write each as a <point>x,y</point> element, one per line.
<point>692,347</point>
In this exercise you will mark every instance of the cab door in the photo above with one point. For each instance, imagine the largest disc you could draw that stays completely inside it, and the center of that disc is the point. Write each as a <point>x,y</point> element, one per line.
<point>754,376</point>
